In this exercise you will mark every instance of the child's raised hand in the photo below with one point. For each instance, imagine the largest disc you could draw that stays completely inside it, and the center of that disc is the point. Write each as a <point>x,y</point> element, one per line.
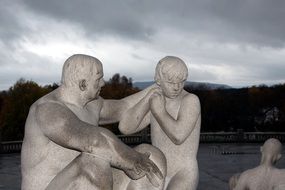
<point>157,102</point>
<point>154,90</point>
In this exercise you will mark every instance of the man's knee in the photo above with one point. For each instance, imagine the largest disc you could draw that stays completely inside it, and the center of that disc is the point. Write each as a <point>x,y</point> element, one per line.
<point>95,171</point>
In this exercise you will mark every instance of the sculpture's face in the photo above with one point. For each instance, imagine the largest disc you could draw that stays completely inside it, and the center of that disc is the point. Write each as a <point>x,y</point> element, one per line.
<point>95,84</point>
<point>171,89</point>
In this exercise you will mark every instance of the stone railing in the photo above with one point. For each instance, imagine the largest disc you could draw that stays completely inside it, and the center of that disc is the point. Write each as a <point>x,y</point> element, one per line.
<point>242,137</point>
<point>10,147</point>
<point>132,140</point>
<point>135,139</point>
<point>219,137</point>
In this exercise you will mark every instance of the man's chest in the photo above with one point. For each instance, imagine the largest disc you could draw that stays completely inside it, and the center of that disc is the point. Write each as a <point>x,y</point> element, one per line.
<point>87,114</point>
<point>89,117</point>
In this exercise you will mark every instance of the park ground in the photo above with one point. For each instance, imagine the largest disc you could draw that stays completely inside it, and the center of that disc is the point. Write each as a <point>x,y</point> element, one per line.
<point>217,163</point>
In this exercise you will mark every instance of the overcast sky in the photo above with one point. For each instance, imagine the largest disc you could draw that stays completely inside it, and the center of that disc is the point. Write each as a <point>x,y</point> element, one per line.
<point>234,42</point>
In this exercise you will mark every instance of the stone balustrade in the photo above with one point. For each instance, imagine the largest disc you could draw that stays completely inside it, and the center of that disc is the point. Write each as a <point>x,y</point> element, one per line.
<point>242,137</point>
<point>10,146</point>
<point>218,137</point>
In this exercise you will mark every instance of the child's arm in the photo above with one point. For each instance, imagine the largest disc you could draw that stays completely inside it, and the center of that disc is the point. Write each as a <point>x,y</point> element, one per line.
<point>178,130</point>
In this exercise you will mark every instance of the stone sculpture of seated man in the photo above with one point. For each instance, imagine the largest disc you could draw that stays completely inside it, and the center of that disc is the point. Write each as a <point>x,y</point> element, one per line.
<point>266,176</point>
<point>64,148</point>
<point>175,119</point>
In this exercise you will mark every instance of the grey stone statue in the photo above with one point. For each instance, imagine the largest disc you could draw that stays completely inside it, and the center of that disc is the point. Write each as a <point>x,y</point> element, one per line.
<point>175,119</point>
<point>265,176</point>
<point>64,148</point>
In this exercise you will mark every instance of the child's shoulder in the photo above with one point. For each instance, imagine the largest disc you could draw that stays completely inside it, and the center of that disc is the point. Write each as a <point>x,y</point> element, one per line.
<point>190,96</point>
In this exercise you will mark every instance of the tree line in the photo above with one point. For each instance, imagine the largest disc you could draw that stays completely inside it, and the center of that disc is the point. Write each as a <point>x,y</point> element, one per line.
<point>254,109</point>
<point>16,101</point>
<point>257,108</point>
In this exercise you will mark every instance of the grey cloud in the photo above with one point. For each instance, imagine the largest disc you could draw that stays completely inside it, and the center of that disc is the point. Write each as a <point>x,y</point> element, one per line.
<point>192,26</point>
<point>269,72</point>
<point>36,68</point>
<point>259,22</point>
<point>201,75</point>
<point>11,28</point>
<point>256,22</point>
<point>104,17</point>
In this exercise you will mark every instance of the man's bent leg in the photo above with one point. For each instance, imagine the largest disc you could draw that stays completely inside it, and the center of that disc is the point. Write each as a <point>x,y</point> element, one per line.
<point>84,172</point>
<point>123,182</point>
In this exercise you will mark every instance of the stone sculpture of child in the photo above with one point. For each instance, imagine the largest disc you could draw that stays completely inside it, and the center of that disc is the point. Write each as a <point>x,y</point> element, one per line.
<point>175,119</point>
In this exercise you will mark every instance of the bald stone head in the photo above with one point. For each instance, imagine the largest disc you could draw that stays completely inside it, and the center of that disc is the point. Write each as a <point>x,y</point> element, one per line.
<point>271,149</point>
<point>83,74</point>
<point>80,67</point>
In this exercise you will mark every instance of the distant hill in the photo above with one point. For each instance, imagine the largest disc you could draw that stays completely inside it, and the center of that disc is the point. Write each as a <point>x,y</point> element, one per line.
<point>193,85</point>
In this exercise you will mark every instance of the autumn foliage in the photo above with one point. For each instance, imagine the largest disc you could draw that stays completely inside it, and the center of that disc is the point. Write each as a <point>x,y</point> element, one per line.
<point>257,108</point>
<point>15,103</point>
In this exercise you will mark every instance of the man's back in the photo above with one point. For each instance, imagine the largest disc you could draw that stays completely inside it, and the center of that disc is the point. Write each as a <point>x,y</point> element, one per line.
<point>278,179</point>
<point>41,158</point>
<point>266,176</point>
<point>259,178</point>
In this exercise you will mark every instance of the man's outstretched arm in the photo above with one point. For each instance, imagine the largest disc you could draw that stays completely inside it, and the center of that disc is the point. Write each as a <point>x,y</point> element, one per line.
<point>63,127</point>
<point>137,117</point>
<point>114,110</point>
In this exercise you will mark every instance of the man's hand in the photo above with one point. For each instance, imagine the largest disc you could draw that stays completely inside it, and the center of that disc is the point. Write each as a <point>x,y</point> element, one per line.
<point>145,167</point>
<point>157,102</point>
<point>152,91</point>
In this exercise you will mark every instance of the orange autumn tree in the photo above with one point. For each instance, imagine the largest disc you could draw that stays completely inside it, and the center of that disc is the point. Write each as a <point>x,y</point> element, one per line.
<point>15,107</point>
<point>15,103</point>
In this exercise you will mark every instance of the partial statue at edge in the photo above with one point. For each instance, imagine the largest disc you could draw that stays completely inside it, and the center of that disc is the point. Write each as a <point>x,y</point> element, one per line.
<point>265,176</point>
